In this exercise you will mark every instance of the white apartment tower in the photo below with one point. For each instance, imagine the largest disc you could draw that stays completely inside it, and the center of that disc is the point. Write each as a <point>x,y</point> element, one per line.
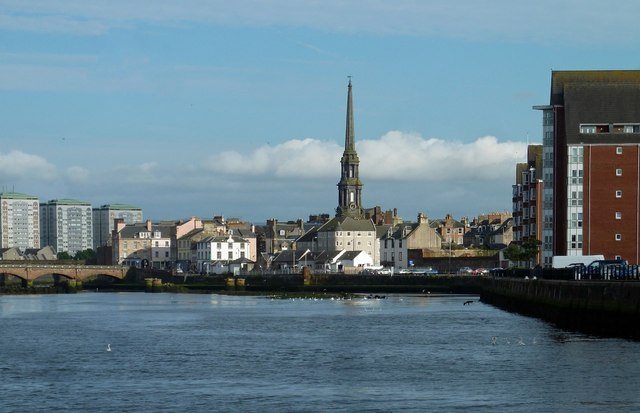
<point>103,221</point>
<point>19,221</point>
<point>66,225</point>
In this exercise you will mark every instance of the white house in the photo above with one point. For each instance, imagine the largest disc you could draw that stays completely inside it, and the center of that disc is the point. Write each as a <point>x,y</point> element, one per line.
<point>354,261</point>
<point>213,254</point>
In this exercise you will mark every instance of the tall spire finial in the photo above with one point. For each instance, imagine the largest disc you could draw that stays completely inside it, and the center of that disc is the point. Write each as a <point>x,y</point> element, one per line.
<point>349,142</point>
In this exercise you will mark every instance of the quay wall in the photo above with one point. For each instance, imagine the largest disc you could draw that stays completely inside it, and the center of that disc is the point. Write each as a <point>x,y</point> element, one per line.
<point>606,308</point>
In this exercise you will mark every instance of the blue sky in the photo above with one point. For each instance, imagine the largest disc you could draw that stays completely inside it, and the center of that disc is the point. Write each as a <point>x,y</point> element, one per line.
<point>201,108</point>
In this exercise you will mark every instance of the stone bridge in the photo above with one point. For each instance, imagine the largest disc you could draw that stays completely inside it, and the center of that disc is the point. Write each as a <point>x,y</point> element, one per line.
<point>30,272</point>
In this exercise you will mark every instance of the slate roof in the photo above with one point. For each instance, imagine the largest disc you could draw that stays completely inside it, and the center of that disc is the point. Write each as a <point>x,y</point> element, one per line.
<point>400,231</point>
<point>287,256</point>
<point>597,97</point>
<point>222,238</point>
<point>350,255</point>
<point>132,230</point>
<point>347,224</point>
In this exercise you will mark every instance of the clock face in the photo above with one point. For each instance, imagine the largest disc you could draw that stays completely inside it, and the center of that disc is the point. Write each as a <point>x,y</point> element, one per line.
<point>352,206</point>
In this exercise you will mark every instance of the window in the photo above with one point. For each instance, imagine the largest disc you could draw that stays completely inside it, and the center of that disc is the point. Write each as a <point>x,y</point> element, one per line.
<point>618,215</point>
<point>587,129</point>
<point>230,255</point>
<point>619,193</point>
<point>618,237</point>
<point>619,150</point>
<point>166,254</point>
<point>618,171</point>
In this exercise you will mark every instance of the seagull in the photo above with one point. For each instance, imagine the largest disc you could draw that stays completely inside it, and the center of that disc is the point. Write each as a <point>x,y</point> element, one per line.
<point>108,347</point>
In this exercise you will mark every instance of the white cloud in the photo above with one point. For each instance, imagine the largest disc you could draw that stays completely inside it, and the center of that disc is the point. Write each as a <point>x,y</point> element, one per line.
<point>306,158</point>
<point>395,156</point>
<point>20,165</point>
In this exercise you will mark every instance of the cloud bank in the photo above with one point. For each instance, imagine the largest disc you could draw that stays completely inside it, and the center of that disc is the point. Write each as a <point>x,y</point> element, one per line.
<point>396,156</point>
<point>290,180</point>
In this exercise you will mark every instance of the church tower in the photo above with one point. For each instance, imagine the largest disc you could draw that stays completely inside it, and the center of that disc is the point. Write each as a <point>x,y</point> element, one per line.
<point>350,186</point>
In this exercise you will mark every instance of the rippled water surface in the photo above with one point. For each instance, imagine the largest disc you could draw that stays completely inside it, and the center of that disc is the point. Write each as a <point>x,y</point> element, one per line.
<point>202,353</point>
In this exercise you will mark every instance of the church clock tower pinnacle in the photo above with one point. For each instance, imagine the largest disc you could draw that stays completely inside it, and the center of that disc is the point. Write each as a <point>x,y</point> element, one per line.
<point>350,186</point>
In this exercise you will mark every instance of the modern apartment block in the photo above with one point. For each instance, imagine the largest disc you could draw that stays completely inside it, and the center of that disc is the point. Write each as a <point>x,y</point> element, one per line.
<point>591,165</point>
<point>66,225</point>
<point>103,221</point>
<point>527,199</point>
<point>19,221</point>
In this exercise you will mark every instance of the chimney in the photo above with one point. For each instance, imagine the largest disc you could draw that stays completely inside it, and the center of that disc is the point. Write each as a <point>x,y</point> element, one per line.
<point>149,225</point>
<point>118,224</point>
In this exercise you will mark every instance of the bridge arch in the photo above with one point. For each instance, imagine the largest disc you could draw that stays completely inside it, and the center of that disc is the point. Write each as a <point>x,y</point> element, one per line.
<point>31,272</point>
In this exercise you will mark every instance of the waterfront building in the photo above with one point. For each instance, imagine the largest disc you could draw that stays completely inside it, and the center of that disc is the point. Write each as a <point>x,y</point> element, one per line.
<point>280,236</point>
<point>349,230</point>
<point>591,165</point>
<point>399,239</point>
<point>527,199</point>
<point>142,244</point>
<point>216,253</point>
<point>66,225</point>
<point>103,221</point>
<point>19,220</point>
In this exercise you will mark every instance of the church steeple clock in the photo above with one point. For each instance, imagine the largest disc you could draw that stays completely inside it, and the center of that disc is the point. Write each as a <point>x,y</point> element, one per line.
<point>350,186</point>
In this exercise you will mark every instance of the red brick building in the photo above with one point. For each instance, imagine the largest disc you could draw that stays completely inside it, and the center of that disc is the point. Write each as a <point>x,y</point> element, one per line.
<point>591,158</point>
<point>527,199</point>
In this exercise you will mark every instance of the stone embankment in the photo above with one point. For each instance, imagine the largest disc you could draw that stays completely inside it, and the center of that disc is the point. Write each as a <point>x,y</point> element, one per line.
<point>607,308</point>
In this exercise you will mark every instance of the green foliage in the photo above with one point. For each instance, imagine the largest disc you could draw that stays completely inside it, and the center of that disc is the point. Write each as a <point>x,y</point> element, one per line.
<point>85,255</point>
<point>64,255</point>
<point>522,252</point>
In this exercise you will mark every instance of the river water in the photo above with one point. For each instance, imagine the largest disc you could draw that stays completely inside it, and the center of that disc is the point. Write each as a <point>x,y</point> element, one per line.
<point>204,353</point>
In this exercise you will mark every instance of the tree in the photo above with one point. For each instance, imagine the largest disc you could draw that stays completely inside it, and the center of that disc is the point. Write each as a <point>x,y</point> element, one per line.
<point>526,251</point>
<point>64,255</point>
<point>86,255</point>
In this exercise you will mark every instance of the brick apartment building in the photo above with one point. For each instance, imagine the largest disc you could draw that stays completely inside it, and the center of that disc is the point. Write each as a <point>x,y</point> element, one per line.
<point>527,199</point>
<point>591,165</point>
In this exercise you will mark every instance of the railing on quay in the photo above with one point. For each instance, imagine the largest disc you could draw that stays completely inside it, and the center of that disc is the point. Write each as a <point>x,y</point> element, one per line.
<point>607,273</point>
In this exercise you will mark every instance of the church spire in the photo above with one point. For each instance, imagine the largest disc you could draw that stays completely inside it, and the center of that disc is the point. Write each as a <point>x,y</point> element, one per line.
<point>350,186</point>
<point>349,139</point>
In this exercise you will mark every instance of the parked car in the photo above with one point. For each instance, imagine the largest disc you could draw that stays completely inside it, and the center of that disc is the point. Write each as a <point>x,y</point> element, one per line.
<point>465,271</point>
<point>480,271</point>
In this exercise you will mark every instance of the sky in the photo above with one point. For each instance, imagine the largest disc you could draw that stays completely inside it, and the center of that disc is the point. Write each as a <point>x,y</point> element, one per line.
<point>202,108</point>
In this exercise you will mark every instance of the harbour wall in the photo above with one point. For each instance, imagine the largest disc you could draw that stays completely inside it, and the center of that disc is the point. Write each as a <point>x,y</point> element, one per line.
<point>604,308</point>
